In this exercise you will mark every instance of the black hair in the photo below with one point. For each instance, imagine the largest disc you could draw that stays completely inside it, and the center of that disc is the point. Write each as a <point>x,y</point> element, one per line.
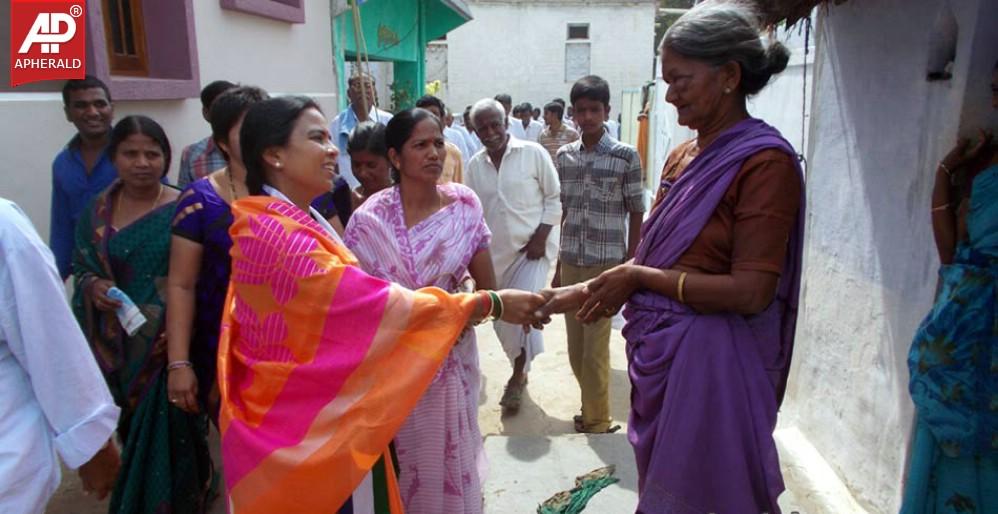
<point>211,92</point>
<point>431,101</point>
<point>526,107</point>
<point>87,82</point>
<point>556,108</point>
<point>400,129</point>
<point>591,87</point>
<point>368,137</point>
<point>354,78</point>
<point>268,124</point>
<point>228,108</point>
<point>139,124</point>
<point>560,101</point>
<point>504,98</point>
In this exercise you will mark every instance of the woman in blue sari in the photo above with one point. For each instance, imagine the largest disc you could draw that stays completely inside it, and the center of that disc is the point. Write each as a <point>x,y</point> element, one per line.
<point>953,360</point>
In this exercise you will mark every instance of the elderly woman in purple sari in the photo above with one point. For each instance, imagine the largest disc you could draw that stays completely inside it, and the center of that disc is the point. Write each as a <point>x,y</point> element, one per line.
<point>421,234</point>
<point>711,295</point>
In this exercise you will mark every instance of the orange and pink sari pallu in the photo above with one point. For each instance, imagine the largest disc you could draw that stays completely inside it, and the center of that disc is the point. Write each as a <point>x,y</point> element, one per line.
<point>319,363</point>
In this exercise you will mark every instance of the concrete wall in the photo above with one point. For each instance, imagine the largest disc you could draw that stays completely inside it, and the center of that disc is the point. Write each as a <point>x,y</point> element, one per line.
<point>878,129</point>
<point>278,56</point>
<point>519,48</point>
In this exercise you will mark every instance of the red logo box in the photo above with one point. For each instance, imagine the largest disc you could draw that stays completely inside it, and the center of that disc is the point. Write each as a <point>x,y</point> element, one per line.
<point>47,40</point>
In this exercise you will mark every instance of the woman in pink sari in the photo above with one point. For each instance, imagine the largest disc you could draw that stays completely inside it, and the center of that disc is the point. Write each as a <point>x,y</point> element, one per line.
<point>420,234</point>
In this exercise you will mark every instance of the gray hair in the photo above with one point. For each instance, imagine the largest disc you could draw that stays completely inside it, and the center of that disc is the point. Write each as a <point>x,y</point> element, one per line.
<point>486,104</point>
<point>718,32</point>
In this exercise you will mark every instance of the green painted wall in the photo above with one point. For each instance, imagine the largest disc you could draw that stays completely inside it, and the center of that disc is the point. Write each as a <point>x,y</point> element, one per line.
<point>397,31</point>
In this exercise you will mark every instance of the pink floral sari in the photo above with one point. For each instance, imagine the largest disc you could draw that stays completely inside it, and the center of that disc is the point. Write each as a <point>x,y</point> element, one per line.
<point>435,252</point>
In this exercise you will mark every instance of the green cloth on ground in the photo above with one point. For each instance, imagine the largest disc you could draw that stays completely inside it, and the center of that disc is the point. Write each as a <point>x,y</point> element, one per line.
<point>574,500</point>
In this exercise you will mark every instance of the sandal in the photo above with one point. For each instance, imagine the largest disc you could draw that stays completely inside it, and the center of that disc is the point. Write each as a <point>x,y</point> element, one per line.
<point>582,430</point>
<point>511,397</point>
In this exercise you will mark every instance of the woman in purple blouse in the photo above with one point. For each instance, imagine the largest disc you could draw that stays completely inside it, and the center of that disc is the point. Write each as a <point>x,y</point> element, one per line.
<point>199,261</point>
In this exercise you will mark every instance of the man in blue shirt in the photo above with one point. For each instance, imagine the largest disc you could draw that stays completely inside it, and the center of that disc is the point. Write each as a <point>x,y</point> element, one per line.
<point>362,97</point>
<point>83,168</point>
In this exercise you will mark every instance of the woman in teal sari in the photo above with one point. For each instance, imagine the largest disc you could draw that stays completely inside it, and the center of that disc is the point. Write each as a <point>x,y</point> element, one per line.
<point>953,361</point>
<point>123,241</point>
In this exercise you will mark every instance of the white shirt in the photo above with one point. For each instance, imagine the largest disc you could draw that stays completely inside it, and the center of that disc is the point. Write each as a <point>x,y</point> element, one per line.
<point>516,128</point>
<point>533,130</point>
<point>52,395</point>
<point>614,128</point>
<point>341,128</point>
<point>471,140</point>
<point>524,193</point>
<point>455,136</point>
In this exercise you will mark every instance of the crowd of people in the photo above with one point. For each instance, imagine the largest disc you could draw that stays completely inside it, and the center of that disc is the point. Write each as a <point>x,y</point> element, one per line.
<point>311,288</point>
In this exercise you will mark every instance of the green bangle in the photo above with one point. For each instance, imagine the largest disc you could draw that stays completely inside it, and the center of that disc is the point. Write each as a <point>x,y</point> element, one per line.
<point>496,305</point>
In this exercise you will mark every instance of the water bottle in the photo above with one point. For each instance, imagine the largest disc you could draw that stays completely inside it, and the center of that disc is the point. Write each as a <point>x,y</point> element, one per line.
<point>129,315</point>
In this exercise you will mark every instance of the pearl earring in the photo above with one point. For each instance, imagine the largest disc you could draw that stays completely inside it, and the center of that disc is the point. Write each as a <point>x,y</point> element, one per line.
<point>727,90</point>
<point>278,164</point>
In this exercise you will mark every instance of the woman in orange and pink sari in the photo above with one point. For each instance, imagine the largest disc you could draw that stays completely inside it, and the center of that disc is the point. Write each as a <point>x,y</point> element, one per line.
<point>320,363</point>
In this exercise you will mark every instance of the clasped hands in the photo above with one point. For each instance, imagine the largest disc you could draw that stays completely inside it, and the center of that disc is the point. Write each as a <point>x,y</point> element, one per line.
<point>601,297</point>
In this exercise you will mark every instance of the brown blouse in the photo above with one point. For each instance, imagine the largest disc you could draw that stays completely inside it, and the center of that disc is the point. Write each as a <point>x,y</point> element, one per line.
<point>750,228</point>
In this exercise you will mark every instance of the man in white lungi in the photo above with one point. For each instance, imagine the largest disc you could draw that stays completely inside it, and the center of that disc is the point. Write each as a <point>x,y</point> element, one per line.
<point>53,399</point>
<point>521,197</point>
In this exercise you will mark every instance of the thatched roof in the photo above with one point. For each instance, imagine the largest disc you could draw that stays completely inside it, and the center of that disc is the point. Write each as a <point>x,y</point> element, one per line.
<point>789,12</point>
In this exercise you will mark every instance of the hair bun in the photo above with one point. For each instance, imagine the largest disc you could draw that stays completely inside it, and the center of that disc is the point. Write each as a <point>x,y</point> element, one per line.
<point>777,57</point>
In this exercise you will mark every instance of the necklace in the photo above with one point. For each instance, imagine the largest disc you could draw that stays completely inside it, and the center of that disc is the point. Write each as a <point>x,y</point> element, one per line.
<point>121,194</point>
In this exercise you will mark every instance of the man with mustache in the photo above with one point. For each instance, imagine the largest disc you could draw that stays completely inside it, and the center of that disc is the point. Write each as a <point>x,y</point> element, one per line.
<point>521,197</point>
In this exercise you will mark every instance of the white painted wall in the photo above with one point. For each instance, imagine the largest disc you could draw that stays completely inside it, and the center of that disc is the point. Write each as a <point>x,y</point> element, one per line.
<point>781,103</point>
<point>878,128</point>
<point>277,56</point>
<point>519,48</point>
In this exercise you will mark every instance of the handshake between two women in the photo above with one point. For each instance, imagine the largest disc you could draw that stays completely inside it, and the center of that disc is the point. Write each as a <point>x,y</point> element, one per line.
<point>535,309</point>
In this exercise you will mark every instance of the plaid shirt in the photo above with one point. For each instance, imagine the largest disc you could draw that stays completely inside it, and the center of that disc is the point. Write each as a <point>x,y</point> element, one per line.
<point>198,160</point>
<point>553,141</point>
<point>600,187</point>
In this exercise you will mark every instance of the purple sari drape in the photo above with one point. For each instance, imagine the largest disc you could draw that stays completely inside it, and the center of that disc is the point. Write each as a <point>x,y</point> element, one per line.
<point>706,387</point>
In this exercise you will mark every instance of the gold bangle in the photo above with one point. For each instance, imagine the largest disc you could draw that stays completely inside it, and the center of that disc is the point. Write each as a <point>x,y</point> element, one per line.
<point>679,287</point>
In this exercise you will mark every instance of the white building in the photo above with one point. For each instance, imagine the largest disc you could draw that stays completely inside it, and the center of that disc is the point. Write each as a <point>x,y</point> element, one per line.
<point>534,50</point>
<point>283,47</point>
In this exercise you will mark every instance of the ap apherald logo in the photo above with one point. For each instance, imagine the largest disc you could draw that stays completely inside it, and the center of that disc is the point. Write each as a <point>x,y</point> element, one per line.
<point>47,40</point>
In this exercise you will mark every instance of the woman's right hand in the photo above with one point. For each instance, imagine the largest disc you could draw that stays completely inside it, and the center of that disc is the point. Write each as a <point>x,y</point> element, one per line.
<point>98,294</point>
<point>182,389</point>
<point>520,307</point>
